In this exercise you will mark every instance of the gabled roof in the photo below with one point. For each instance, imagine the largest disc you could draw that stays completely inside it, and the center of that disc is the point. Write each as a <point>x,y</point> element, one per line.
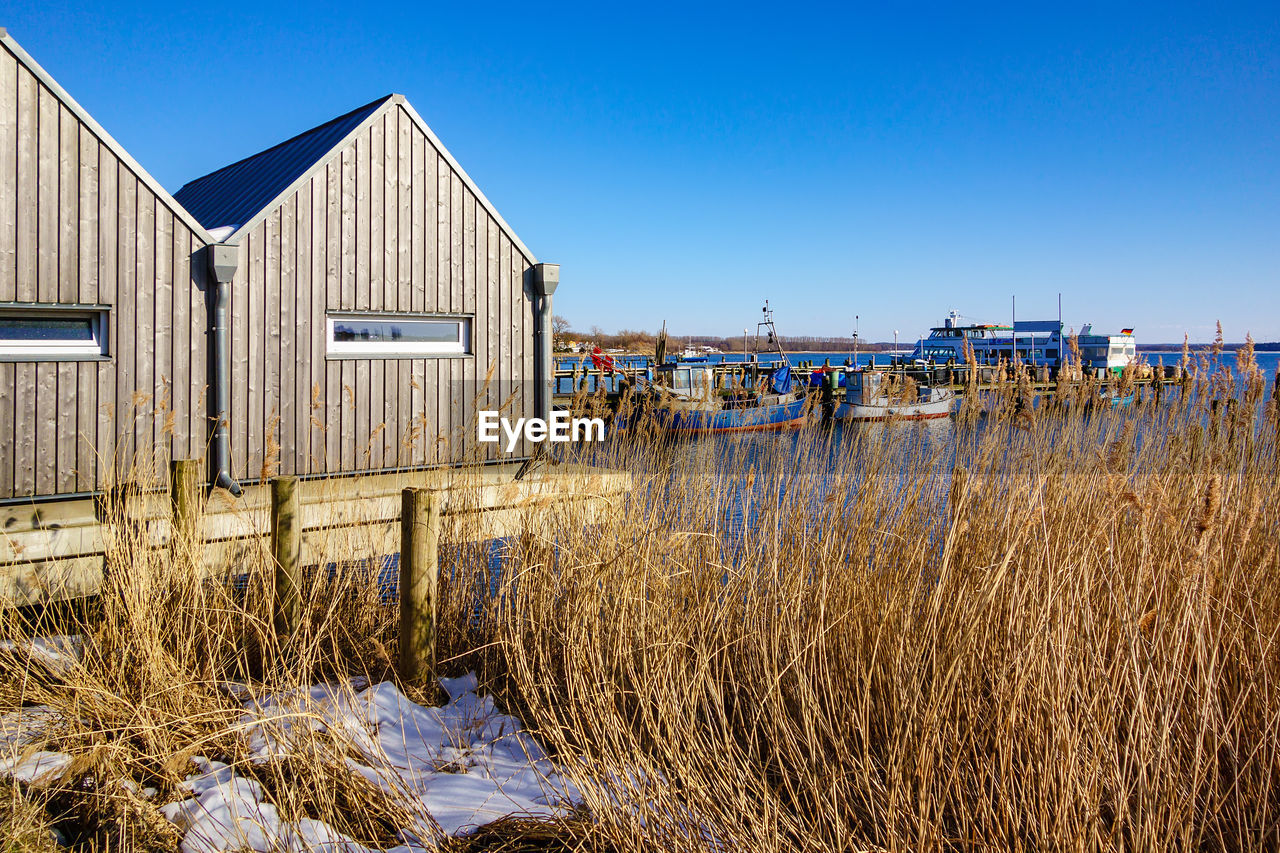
<point>242,194</point>
<point>82,115</point>
<point>233,194</point>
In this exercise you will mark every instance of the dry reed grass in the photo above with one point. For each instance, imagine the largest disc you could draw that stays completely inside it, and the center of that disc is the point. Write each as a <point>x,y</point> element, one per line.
<point>1015,631</point>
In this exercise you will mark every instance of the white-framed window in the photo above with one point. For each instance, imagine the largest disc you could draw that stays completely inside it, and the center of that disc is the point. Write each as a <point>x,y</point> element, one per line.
<point>398,335</point>
<point>52,332</point>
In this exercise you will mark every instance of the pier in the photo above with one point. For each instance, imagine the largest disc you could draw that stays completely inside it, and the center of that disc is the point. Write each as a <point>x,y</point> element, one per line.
<point>633,371</point>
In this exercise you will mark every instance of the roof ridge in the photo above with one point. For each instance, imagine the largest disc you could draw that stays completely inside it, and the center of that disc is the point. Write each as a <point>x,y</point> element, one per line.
<point>376,102</point>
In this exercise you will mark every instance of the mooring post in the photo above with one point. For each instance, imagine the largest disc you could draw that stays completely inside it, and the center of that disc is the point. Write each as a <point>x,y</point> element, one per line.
<point>419,571</point>
<point>286,548</point>
<point>184,494</point>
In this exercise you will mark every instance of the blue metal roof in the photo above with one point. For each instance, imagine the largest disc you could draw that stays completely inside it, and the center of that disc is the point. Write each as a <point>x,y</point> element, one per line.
<point>234,194</point>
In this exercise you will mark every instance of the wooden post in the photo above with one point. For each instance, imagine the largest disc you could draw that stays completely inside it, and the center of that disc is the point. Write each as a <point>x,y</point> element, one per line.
<point>286,548</point>
<point>184,486</point>
<point>419,571</point>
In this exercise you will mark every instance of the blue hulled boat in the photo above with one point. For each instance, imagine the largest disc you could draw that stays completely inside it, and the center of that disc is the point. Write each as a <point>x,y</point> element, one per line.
<point>687,398</point>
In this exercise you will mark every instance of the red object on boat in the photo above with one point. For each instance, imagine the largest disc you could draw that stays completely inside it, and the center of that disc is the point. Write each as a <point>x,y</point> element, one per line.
<point>602,361</point>
<point>1126,331</point>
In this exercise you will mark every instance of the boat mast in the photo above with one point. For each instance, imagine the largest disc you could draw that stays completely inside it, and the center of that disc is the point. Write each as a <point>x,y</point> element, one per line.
<point>771,332</point>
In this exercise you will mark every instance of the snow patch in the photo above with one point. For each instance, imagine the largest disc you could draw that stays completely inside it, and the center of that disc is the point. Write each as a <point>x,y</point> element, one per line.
<point>458,767</point>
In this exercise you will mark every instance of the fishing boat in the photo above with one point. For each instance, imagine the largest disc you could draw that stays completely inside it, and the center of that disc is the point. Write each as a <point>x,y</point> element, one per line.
<point>877,395</point>
<point>689,398</point>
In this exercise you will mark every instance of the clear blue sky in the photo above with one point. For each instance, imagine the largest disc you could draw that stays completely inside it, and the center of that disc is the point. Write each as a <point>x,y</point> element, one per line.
<point>686,161</point>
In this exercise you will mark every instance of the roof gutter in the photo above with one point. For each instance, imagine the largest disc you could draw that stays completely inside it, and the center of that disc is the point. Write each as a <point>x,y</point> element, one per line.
<point>223,262</point>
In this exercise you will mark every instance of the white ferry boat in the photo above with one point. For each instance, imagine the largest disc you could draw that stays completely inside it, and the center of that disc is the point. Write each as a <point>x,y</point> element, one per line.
<point>1032,342</point>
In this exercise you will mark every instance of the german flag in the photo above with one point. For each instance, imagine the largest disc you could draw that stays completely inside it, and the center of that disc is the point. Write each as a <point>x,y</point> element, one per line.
<point>1126,331</point>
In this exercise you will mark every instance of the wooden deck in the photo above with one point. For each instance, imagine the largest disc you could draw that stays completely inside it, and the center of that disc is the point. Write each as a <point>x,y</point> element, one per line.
<point>56,550</point>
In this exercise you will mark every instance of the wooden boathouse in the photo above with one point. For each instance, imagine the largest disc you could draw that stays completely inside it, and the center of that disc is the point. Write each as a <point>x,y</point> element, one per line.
<point>341,303</point>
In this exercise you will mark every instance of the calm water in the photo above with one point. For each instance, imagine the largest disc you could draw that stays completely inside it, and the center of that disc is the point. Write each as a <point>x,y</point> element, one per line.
<point>718,454</point>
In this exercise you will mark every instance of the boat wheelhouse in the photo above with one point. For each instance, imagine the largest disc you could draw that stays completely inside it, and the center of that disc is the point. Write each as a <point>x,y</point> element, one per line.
<point>877,395</point>
<point>1112,353</point>
<point>1035,342</point>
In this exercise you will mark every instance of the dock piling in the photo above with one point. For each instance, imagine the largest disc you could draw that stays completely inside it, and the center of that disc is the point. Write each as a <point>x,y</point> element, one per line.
<point>286,549</point>
<point>184,494</point>
<point>419,572</point>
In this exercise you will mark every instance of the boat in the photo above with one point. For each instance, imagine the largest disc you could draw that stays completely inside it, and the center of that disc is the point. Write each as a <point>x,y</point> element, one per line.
<point>1106,353</point>
<point>687,397</point>
<point>878,395</point>
<point>1033,342</point>
<point>1037,343</point>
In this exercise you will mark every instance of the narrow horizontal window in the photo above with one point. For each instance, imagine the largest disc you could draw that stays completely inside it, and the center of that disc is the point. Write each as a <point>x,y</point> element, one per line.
<point>39,333</point>
<point>398,335</point>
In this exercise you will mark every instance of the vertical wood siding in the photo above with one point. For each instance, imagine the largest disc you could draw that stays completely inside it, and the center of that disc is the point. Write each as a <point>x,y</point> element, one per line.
<point>386,225</point>
<point>77,226</point>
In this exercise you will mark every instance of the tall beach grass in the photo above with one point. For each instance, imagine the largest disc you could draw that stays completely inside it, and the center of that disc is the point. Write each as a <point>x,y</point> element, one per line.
<point>1047,627</point>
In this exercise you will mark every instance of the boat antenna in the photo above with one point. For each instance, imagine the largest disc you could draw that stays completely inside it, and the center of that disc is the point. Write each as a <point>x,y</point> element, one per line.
<point>766,323</point>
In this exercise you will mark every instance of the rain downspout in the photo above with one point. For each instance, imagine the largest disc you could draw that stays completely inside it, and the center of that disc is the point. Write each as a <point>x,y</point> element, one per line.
<point>223,261</point>
<point>546,278</point>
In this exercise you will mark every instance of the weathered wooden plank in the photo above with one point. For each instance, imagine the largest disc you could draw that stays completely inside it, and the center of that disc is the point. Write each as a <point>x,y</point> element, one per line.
<point>376,211</point>
<point>347,294</point>
<point>406,241</point>
<point>511,382</point>
<point>126,298</point>
<point>107,416</point>
<point>28,123</point>
<point>69,219</point>
<point>258,406</point>
<point>87,431</point>
<point>8,200</point>
<point>377,423</point>
<point>404,213</point>
<point>24,454</point>
<point>47,169</point>
<point>182,370</point>
<point>241,329</point>
<point>436,392</point>
<point>423,234</point>
<point>443,262</point>
<point>272,336</point>
<point>143,342</point>
<point>391,211</point>
<point>197,271</point>
<point>466,367</point>
<point>418,409</point>
<point>8,428</point>
<point>347,430</point>
<point>491,323</point>
<point>320,204</point>
<point>394,434</point>
<point>303,239</point>
<point>364,225</point>
<point>89,220</point>
<point>45,458</point>
<point>286,377</point>
<point>333,416</point>
<point>456,250</point>
<point>108,239</point>
<point>469,276</point>
<point>361,434</point>
<point>162,350</point>
<point>66,427</point>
